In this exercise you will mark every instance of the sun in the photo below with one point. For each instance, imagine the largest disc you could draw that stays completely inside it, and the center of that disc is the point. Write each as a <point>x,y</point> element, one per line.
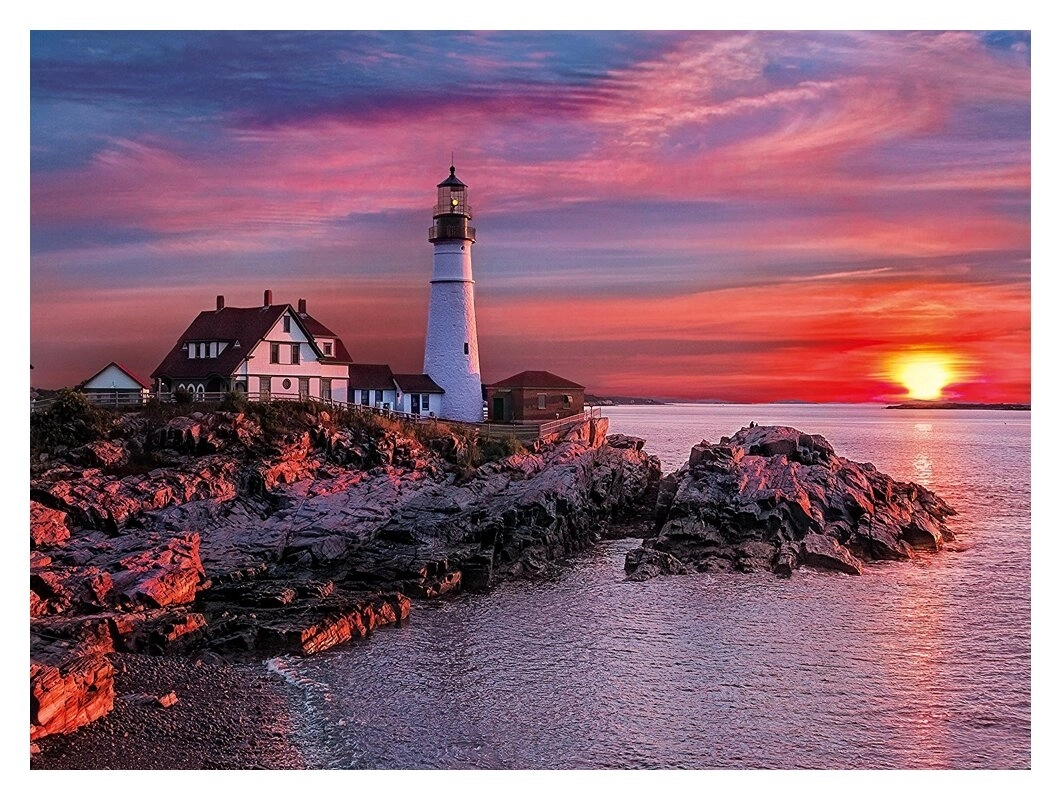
<point>925,375</point>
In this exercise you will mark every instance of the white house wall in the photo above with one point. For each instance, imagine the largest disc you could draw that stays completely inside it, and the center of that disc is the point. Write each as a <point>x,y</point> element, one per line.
<point>389,399</point>
<point>112,379</point>
<point>258,366</point>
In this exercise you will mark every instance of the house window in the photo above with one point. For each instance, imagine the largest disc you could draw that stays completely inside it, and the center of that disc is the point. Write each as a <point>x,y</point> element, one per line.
<point>303,388</point>
<point>364,397</point>
<point>567,401</point>
<point>541,401</point>
<point>287,324</point>
<point>274,353</point>
<point>379,397</point>
<point>265,388</point>
<point>425,403</point>
<point>326,388</point>
<point>294,353</point>
<point>327,348</point>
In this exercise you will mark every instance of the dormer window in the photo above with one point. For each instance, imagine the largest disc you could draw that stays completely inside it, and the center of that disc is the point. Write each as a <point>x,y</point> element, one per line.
<point>327,346</point>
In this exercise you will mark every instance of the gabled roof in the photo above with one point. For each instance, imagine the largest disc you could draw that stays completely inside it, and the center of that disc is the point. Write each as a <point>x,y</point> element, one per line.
<point>536,379</point>
<point>371,376</point>
<point>126,370</point>
<point>248,326</point>
<point>317,329</point>
<point>245,326</point>
<point>418,383</point>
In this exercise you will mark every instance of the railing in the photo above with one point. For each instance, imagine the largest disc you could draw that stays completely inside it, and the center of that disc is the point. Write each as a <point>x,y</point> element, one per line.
<point>451,230</point>
<point>562,424</point>
<point>526,431</point>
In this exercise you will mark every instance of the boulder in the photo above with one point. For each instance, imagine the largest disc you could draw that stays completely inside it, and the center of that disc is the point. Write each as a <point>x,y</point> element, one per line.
<point>642,564</point>
<point>775,498</point>
<point>68,695</point>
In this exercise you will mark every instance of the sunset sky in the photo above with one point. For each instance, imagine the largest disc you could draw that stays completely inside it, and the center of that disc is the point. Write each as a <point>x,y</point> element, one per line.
<point>748,217</point>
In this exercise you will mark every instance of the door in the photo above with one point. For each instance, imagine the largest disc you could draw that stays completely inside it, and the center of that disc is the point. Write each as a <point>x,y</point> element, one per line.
<point>414,403</point>
<point>499,410</point>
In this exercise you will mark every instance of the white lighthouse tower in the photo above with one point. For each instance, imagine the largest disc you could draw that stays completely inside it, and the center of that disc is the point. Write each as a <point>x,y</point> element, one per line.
<point>451,353</point>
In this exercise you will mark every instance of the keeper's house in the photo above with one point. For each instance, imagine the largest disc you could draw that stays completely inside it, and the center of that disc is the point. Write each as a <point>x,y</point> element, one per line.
<point>271,350</point>
<point>534,396</point>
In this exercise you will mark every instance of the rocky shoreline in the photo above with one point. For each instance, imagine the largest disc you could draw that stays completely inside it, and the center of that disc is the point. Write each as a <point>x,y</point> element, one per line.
<point>171,556</point>
<point>248,538</point>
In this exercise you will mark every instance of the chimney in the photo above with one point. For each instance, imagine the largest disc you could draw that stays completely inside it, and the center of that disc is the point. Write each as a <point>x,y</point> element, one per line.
<point>268,297</point>
<point>220,302</point>
<point>302,306</point>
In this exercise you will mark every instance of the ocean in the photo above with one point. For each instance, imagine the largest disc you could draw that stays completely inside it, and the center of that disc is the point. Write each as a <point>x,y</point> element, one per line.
<point>913,665</point>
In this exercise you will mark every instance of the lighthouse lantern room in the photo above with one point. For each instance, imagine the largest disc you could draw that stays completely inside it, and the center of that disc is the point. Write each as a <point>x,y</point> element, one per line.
<point>451,350</point>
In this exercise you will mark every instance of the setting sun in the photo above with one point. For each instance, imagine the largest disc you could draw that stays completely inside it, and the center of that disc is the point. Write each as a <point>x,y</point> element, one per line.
<point>925,375</point>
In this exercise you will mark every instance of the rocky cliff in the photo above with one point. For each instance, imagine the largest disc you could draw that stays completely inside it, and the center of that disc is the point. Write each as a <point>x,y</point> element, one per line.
<point>207,535</point>
<point>775,498</point>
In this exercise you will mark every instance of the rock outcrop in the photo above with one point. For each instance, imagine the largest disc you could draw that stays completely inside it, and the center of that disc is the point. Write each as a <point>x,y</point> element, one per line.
<point>778,499</point>
<point>209,535</point>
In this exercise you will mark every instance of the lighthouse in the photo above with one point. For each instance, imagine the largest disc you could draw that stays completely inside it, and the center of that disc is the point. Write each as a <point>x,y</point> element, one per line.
<point>451,351</point>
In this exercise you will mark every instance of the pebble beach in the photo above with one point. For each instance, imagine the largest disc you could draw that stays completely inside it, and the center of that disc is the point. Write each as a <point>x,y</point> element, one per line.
<point>226,717</point>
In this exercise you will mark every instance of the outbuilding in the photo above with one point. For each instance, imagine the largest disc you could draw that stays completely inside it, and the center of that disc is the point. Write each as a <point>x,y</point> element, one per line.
<point>372,386</point>
<point>116,385</point>
<point>533,396</point>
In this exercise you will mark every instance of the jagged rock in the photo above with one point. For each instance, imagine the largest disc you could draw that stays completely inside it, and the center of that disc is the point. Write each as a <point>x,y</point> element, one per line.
<point>775,498</point>
<point>69,695</point>
<point>107,454</point>
<point>47,527</point>
<point>643,564</point>
<point>167,574</point>
<point>819,550</point>
<point>167,700</point>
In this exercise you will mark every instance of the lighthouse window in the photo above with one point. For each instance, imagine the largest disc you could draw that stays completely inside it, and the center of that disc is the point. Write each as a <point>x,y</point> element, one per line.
<point>465,348</point>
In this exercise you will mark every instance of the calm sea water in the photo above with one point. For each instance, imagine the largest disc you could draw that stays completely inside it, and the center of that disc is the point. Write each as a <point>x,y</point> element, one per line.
<point>923,664</point>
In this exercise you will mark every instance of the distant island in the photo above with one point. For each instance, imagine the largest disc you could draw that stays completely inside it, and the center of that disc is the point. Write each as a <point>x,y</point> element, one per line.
<point>939,405</point>
<point>596,400</point>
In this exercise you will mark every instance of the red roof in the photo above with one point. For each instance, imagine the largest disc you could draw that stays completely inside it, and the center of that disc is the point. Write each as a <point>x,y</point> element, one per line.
<point>371,376</point>
<point>418,383</point>
<point>536,379</point>
<point>124,369</point>
<point>317,329</point>
<point>246,326</point>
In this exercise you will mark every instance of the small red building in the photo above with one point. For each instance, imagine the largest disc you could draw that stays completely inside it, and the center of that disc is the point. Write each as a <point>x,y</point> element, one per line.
<point>534,395</point>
